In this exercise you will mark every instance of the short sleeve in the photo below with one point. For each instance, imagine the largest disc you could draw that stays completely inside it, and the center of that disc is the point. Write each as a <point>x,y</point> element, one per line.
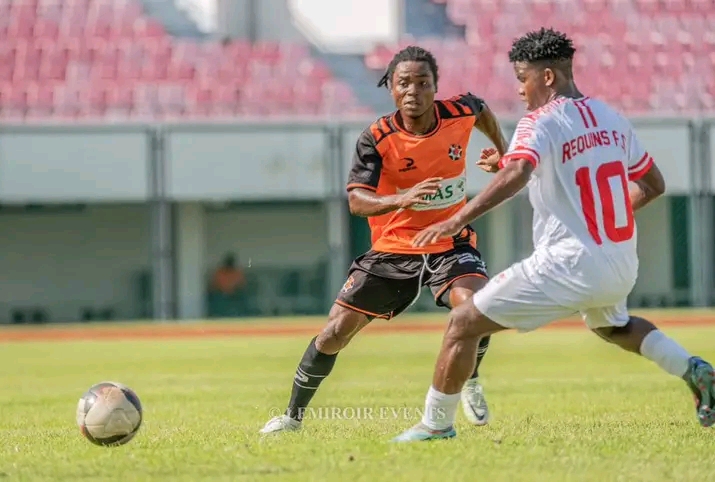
<point>530,142</point>
<point>474,105</point>
<point>367,164</point>
<point>639,161</point>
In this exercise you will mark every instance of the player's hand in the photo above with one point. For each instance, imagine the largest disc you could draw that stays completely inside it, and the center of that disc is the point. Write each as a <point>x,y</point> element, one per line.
<point>433,233</point>
<point>489,160</point>
<point>416,195</point>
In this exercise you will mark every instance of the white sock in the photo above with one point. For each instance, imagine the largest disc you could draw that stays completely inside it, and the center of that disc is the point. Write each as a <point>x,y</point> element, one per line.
<point>666,352</point>
<point>440,409</point>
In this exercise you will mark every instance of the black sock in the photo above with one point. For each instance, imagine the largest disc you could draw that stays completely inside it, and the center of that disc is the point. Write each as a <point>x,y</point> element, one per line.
<point>313,368</point>
<point>481,351</point>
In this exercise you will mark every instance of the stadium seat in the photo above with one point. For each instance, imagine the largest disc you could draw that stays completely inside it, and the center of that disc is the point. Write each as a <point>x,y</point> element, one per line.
<point>126,64</point>
<point>120,100</point>
<point>75,59</point>
<point>633,45</point>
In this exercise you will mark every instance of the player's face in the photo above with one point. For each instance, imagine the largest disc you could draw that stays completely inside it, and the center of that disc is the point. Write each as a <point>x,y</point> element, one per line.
<point>534,84</point>
<point>413,88</point>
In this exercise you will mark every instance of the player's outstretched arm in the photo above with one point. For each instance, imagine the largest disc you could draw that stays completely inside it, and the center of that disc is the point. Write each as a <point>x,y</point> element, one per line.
<point>506,183</point>
<point>488,125</point>
<point>367,203</point>
<point>647,188</point>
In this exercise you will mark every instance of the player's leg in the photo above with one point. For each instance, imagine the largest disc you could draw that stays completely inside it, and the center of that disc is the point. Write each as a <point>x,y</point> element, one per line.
<point>509,300</point>
<point>460,274</point>
<point>316,364</point>
<point>640,336</point>
<point>363,298</point>
<point>474,401</point>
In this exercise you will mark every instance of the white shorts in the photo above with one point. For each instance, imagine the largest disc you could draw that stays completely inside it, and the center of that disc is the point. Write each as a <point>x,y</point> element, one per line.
<point>512,300</point>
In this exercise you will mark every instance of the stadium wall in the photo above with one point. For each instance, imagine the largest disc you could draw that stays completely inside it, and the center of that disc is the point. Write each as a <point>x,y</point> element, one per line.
<point>133,218</point>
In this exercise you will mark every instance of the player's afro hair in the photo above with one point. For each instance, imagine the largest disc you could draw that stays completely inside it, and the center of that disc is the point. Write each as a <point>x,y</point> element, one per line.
<point>545,45</point>
<point>414,54</point>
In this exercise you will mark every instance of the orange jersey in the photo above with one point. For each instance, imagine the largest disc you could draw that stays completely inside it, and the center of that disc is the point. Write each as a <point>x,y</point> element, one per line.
<point>390,160</point>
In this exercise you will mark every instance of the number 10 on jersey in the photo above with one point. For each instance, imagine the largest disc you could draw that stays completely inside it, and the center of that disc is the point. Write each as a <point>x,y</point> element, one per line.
<point>604,173</point>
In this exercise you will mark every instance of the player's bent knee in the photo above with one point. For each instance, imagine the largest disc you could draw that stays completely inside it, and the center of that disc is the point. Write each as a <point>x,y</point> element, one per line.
<point>629,336</point>
<point>343,324</point>
<point>605,332</point>
<point>614,334</point>
<point>463,289</point>
<point>466,321</point>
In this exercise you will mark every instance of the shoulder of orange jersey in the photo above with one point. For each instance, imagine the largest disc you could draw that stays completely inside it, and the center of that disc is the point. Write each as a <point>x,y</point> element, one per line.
<point>462,105</point>
<point>379,130</point>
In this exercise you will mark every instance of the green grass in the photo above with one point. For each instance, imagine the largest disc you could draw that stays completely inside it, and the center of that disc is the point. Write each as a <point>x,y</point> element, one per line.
<point>565,406</point>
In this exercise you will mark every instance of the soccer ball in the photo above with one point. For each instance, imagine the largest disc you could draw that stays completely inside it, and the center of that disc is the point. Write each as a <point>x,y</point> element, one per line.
<point>109,414</point>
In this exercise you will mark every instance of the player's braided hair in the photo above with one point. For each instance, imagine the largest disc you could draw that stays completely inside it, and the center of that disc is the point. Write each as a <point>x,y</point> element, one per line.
<point>414,54</point>
<point>545,45</point>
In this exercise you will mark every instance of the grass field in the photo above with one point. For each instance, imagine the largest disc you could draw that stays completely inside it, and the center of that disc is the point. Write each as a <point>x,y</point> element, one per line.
<point>565,406</point>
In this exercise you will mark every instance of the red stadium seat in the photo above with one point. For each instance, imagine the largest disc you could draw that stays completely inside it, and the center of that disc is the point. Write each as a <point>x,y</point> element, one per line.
<point>146,101</point>
<point>199,100</point>
<point>67,101</point>
<point>93,101</point>
<point>626,42</point>
<point>13,102</point>
<point>22,18</point>
<point>46,28</point>
<point>39,100</point>
<point>171,99</point>
<point>74,59</point>
<point>119,100</point>
<point>145,27</point>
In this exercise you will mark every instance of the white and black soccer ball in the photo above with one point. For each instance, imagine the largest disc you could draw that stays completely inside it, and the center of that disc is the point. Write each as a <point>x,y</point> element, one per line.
<point>109,414</point>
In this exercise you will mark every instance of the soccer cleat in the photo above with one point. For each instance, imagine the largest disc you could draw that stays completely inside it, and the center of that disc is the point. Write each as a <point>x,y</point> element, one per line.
<point>421,432</point>
<point>700,377</point>
<point>474,404</point>
<point>281,423</point>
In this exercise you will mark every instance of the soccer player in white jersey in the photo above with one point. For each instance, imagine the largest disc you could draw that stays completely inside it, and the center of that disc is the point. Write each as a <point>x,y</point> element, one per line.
<point>576,155</point>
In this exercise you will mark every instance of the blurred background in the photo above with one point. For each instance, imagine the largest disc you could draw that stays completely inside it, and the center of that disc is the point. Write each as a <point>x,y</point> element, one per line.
<point>187,158</point>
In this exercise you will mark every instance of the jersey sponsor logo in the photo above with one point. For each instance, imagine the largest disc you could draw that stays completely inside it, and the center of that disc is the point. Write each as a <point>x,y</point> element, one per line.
<point>451,193</point>
<point>455,152</point>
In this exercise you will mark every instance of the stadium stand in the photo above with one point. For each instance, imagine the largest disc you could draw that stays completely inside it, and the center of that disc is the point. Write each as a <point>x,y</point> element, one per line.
<point>79,59</point>
<point>645,56</point>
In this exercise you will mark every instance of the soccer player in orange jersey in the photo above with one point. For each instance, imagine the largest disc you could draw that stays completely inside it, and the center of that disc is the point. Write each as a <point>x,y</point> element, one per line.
<point>409,171</point>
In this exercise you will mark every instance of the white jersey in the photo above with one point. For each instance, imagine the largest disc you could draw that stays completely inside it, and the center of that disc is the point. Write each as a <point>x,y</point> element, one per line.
<point>584,153</point>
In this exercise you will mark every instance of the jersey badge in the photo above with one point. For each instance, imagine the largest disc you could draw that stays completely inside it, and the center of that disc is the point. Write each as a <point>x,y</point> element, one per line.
<point>348,284</point>
<point>455,152</point>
